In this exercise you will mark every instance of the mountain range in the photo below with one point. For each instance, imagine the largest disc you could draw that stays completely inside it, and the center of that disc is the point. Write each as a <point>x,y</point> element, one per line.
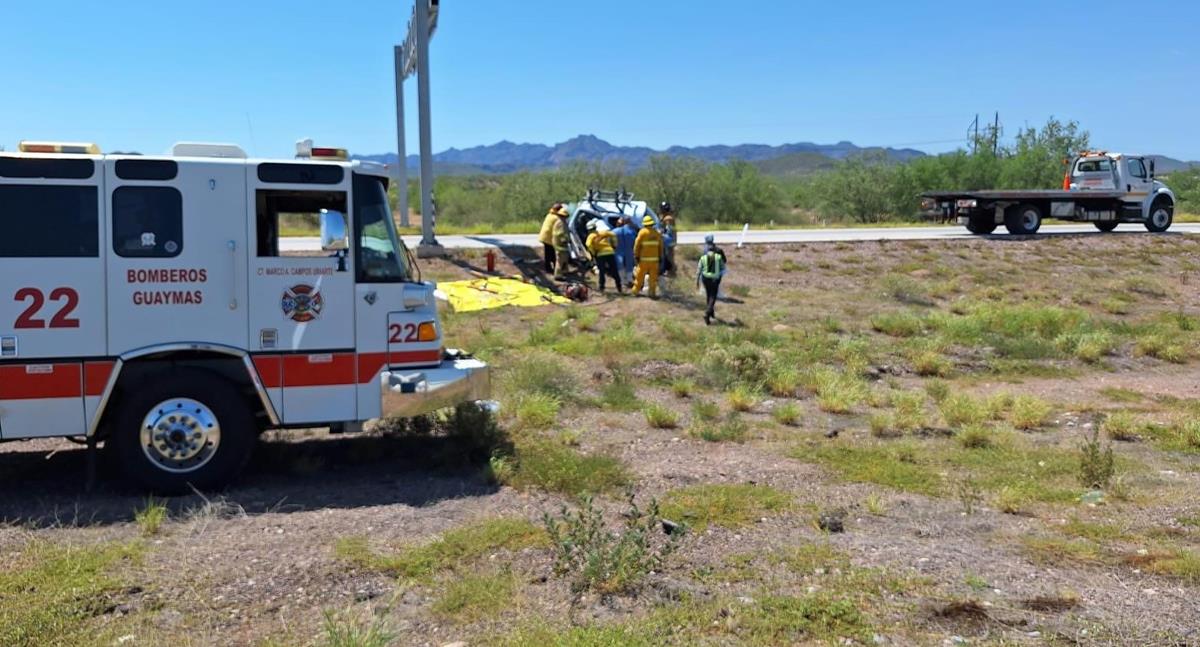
<point>786,159</point>
<point>509,157</point>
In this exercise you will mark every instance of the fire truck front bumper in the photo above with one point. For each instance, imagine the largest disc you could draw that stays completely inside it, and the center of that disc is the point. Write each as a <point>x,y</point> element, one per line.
<point>458,379</point>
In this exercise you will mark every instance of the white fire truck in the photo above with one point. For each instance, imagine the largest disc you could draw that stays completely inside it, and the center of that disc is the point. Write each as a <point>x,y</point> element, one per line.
<point>174,307</point>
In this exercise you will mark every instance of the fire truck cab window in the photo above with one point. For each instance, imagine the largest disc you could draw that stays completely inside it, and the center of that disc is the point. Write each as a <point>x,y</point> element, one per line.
<point>289,222</point>
<point>382,257</point>
<point>49,221</point>
<point>147,222</point>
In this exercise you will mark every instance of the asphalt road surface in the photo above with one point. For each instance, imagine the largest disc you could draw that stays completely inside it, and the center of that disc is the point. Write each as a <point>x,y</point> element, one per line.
<point>753,236</point>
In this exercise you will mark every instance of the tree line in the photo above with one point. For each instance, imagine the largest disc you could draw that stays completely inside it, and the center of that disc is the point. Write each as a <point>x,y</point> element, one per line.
<point>865,188</point>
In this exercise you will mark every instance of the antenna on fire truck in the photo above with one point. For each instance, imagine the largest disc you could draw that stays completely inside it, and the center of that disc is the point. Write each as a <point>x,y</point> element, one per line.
<point>413,57</point>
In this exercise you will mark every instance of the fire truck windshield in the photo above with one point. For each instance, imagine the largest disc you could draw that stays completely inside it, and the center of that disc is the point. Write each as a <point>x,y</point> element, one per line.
<point>381,256</point>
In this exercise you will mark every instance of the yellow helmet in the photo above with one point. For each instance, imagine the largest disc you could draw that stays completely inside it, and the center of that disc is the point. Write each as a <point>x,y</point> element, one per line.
<point>648,221</point>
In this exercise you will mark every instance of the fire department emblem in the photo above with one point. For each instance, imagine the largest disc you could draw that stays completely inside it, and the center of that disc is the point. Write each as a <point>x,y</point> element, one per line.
<point>302,303</point>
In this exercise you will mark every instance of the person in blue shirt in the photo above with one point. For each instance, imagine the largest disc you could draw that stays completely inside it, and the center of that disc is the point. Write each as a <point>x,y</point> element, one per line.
<point>626,235</point>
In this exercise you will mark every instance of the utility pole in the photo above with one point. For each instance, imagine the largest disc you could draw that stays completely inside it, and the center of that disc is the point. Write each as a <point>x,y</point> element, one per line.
<point>414,57</point>
<point>973,131</point>
<point>996,135</point>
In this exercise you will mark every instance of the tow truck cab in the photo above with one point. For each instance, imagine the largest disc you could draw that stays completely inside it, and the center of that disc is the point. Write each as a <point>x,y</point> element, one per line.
<point>175,306</point>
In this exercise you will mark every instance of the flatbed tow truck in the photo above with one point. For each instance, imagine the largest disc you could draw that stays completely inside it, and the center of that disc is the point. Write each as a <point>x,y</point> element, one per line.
<point>1105,189</point>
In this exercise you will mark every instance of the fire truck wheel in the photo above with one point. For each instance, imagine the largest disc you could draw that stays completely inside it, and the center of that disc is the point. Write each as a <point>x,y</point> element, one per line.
<point>182,430</point>
<point>1023,219</point>
<point>981,224</point>
<point>1106,225</point>
<point>1162,213</point>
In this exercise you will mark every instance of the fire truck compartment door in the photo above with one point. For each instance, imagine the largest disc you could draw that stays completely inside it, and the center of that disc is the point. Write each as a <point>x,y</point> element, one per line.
<point>177,263</point>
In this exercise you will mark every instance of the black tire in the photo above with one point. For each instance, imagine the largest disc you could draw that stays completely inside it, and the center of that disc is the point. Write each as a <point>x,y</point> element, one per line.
<point>1162,214</point>
<point>1023,219</point>
<point>1106,225</point>
<point>188,405</point>
<point>981,225</point>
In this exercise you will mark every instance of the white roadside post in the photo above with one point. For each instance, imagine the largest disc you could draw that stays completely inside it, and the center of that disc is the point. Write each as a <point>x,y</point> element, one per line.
<point>414,57</point>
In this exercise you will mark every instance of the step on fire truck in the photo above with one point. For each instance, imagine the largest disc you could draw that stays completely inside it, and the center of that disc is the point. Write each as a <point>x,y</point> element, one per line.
<point>174,307</point>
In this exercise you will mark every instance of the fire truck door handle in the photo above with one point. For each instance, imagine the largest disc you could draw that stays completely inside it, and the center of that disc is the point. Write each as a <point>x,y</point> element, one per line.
<point>233,303</point>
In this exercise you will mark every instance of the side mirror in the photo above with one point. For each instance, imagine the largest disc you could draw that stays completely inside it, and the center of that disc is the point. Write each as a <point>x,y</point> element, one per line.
<point>415,296</point>
<point>1151,169</point>
<point>333,231</point>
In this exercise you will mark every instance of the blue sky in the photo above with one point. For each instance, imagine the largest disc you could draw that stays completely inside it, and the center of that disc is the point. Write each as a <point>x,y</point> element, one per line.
<point>140,75</point>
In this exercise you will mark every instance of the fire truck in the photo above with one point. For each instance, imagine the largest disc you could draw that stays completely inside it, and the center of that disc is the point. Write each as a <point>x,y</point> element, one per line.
<point>174,307</point>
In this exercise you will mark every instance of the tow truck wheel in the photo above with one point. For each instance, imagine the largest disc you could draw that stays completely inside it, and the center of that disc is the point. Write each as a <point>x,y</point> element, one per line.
<point>1023,219</point>
<point>1162,213</point>
<point>980,225</point>
<point>1106,225</point>
<point>182,430</point>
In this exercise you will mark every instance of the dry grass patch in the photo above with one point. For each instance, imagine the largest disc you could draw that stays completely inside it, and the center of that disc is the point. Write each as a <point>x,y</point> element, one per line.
<point>724,505</point>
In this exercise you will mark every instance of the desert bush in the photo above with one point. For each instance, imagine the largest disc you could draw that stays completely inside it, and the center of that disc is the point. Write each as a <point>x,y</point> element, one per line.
<point>150,517</point>
<point>787,413</point>
<point>598,559</point>
<point>1095,463</point>
<point>742,398</point>
<point>731,429</point>
<point>1121,425</point>
<point>660,417</point>
<point>961,409</point>
<point>1028,412</point>
<point>729,364</point>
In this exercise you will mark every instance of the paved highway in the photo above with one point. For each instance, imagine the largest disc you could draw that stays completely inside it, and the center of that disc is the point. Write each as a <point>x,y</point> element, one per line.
<point>729,238</point>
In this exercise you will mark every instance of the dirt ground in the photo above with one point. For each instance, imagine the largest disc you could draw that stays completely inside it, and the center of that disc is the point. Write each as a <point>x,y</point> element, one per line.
<point>258,564</point>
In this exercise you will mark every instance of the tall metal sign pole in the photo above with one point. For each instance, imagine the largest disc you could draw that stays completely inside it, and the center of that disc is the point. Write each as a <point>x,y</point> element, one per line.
<point>402,182</point>
<point>413,56</point>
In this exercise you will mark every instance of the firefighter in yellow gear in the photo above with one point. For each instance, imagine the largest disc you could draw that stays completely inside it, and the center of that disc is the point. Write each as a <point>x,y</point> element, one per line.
<point>601,244</point>
<point>560,240</point>
<point>546,237</point>
<point>647,249</point>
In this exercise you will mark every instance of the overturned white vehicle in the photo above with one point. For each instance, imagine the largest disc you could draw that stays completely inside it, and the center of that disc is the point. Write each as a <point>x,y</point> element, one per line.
<point>607,208</point>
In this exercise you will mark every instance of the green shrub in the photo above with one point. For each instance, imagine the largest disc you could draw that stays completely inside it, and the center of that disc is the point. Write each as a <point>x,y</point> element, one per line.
<point>705,411</point>
<point>909,409</point>
<point>787,413</point>
<point>724,505</point>
<point>1090,347</point>
<point>1028,412</point>
<point>536,410</point>
<point>728,364</point>
<point>1162,346</point>
<point>342,631</point>
<point>619,394</point>
<point>1121,425</point>
<point>783,381</point>
<point>731,429</point>
<point>897,324</point>
<point>961,409</point>
<point>542,373</point>
<point>1095,463</point>
<point>470,597</point>
<point>660,417</point>
<point>937,390</point>
<point>683,387</point>
<point>975,436</point>
<point>930,363</point>
<point>150,517</point>
<point>742,398</point>
<point>598,559</point>
<point>550,466</point>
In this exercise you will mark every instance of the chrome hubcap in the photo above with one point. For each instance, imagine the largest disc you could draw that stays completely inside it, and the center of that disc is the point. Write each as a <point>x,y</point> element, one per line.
<point>1160,218</point>
<point>1031,219</point>
<point>180,435</point>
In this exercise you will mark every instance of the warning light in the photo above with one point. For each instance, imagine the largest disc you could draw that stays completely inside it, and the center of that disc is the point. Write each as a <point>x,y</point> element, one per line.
<point>62,148</point>
<point>305,149</point>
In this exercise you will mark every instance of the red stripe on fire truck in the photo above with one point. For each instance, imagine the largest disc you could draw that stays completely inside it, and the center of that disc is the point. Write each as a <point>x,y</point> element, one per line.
<point>40,381</point>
